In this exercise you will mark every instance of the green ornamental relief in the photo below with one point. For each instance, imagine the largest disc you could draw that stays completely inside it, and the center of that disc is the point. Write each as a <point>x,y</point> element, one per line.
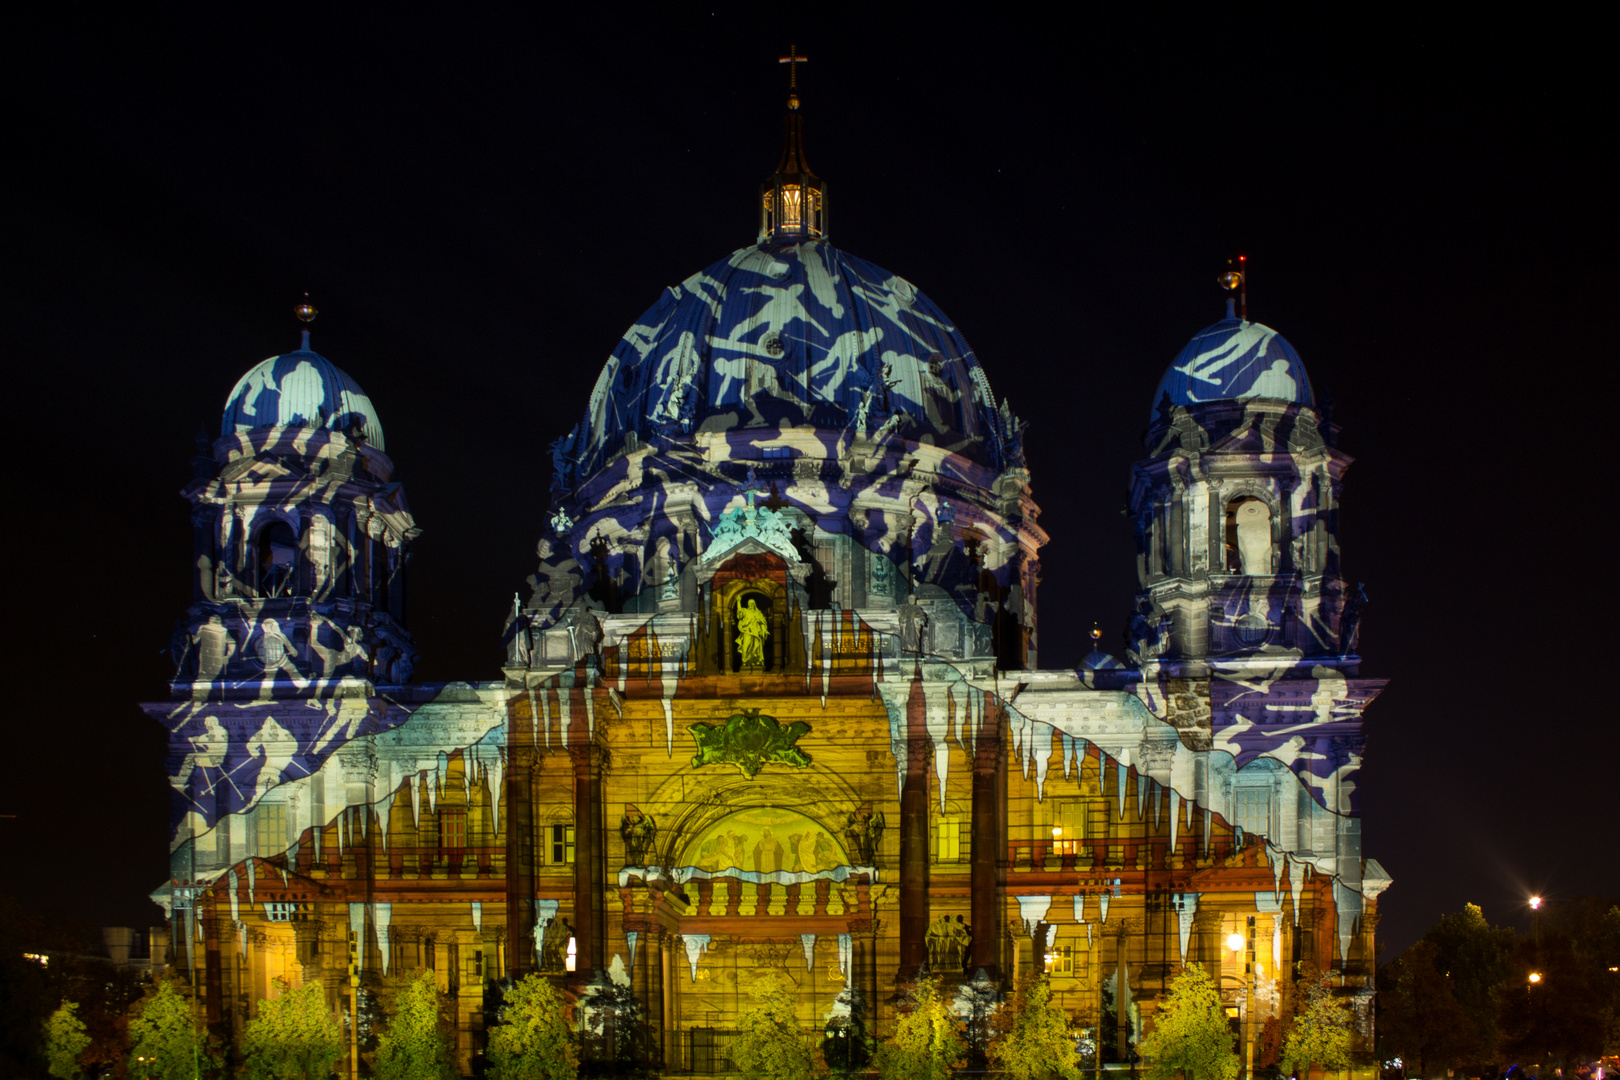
<point>750,742</point>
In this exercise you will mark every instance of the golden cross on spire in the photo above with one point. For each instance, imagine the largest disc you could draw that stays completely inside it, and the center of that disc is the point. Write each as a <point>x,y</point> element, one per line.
<point>793,60</point>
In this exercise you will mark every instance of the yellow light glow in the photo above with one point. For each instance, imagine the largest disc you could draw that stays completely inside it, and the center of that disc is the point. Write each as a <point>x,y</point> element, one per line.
<point>1535,902</point>
<point>1535,976</point>
<point>789,206</point>
<point>1057,830</point>
<point>573,956</point>
<point>1235,942</point>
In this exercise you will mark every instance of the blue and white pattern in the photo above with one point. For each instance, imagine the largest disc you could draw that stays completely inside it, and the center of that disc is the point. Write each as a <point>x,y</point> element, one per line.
<point>1232,360</point>
<point>301,388</point>
<point>801,333</point>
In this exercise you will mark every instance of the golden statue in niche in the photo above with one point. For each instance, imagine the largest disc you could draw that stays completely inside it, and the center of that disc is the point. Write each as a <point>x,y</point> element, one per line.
<point>752,631</point>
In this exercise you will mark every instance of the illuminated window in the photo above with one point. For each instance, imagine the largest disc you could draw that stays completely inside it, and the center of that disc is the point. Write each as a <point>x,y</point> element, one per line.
<point>1070,817</point>
<point>270,828</point>
<point>452,830</point>
<point>1060,960</point>
<point>777,452</point>
<point>787,209</point>
<point>562,844</point>
<point>948,840</point>
<point>1252,810</point>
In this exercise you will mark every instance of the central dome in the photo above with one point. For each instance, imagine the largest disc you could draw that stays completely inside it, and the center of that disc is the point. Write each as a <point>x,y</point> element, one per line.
<point>791,334</point>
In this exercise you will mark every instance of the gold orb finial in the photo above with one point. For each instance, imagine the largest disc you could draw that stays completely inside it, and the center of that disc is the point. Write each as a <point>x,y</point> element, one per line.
<point>306,311</point>
<point>1096,634</point>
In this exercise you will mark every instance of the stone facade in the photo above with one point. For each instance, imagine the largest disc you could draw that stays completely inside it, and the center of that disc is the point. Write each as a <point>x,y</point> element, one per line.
<point>773,698</point>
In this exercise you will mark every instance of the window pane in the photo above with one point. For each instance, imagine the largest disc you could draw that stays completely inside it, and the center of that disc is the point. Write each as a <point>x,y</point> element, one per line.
<point>271,827</point>
<point>1252,809</point>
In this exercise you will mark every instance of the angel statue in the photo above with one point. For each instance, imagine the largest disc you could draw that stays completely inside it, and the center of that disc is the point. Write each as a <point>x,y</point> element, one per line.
<point>751,634</point>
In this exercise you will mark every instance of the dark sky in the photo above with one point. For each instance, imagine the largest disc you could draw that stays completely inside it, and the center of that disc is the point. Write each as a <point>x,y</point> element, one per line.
<point>480,206</point>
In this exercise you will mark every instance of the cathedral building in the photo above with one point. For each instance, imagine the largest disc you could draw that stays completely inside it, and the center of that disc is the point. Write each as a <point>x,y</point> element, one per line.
<point>772,698</point>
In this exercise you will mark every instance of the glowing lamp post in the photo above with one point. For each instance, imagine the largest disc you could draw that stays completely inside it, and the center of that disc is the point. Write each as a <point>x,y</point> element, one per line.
<point>1535,918</point>
<point>1235,942</point>
<point>571,958</point>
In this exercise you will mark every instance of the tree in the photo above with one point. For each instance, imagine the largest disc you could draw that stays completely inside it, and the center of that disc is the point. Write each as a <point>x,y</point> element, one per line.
<point>978,1005</point>
<point>294,1037</point>
<point>1319,1034</point>
<point>844,1041</point>
<point>1472,956</point>
<point>615,1034</point>
<point>166,1040</point>
<point>531,1040</point>
<point>65,1040</point>
<point>1558,1019</point>
<point>415,1045</point>
<point>1037,1045</point>
<point>926,1045</point>
<point>1419,1017</point>
<point>769,1042</point>
<point>1108,1027</point>
<point>1190,1034</point>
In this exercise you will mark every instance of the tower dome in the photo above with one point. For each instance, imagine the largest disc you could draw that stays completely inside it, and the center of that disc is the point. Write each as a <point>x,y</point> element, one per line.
<point>1235,359</point>
<point>796,333</point>
<point>301,387</point>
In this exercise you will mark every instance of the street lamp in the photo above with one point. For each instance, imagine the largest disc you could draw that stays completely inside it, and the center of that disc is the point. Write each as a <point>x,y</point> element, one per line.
<point>1535,918</point>
<point>1236,942</point>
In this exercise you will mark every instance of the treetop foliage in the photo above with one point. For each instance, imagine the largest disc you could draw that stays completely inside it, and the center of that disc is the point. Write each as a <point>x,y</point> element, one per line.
<point>1037,1044</point>
<point>926,1043</point>
<point>1320,1034</point>
<point>416,1045</point>
<point>1461,998</point>
<point>532,1040</point>
<point>65,1040</point>
<point>294,1037</point>
<point>165,1034</point>
<point>769,1042</point>
<point>1190,1033</point>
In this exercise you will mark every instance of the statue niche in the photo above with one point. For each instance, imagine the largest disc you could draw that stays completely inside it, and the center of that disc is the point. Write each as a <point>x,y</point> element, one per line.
<point>753,615</point>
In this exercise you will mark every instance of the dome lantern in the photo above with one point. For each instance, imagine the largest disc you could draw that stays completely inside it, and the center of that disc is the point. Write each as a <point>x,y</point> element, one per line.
<point>793,200</point>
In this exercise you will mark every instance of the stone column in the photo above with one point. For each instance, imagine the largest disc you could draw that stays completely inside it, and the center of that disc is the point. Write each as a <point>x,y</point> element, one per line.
<point>517,818</point>
<point>914,837</point>
<point>989,842</point>
<point>588,923</point>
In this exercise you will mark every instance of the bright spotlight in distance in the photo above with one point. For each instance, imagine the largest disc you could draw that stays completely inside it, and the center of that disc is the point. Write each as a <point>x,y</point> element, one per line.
<point>1535,976</point>
<point>1535,902</point>
<point>1235,942</point>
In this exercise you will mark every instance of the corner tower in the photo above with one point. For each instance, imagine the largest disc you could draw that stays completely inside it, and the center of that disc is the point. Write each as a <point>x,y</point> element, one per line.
<point>1244,626</point>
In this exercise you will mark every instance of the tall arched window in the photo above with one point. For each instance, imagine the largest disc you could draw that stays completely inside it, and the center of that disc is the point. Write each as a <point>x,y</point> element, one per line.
<point>1248,537</point>
<point>278,559</point>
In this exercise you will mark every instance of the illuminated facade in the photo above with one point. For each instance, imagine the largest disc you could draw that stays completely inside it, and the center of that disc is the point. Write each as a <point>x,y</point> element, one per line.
<point>773,696</point>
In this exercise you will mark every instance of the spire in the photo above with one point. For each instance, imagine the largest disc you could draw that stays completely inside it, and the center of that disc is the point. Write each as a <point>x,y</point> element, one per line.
<point>793,200</point>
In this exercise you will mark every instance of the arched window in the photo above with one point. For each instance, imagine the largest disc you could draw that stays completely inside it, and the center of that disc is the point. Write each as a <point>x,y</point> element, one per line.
<point>1248,537</point>
<point>278,559</point>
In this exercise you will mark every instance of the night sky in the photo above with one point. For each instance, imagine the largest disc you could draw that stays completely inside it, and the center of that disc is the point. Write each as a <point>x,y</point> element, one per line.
<point>480,207</point>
